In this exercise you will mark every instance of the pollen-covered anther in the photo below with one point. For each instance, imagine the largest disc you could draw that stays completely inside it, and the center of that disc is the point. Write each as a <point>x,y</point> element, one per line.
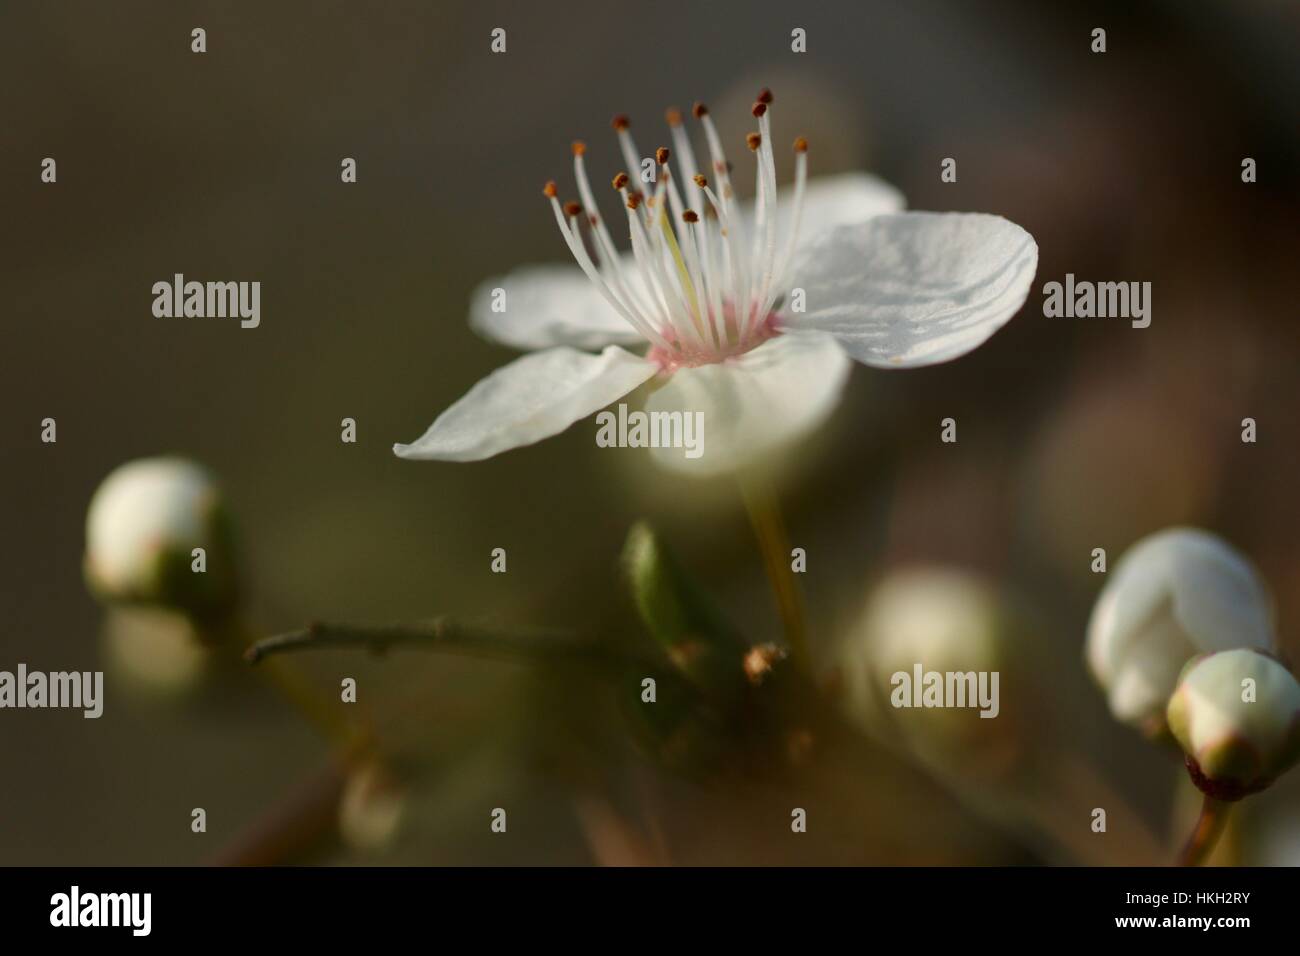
<point>753,141</point>
<point>550,189</point>
<point>572,209</point>
<point>690,215</point>
<point>673,116</point>
<point>801,145</point>
<point>759,108</point>
<point>578,147</point>
<point>701,181</point>
<point>620,180</point>
<point>764,95</point>
<point>634,200</point>
<point>699,110</point>
<point>662,154</point>
<point>620,122</point>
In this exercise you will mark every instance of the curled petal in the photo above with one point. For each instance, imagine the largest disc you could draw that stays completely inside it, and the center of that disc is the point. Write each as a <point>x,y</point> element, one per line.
<point>754,404</point>
<point>534,397</point>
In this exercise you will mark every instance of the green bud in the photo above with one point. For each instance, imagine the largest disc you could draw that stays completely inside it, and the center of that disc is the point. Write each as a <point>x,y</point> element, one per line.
<point>699,641</point>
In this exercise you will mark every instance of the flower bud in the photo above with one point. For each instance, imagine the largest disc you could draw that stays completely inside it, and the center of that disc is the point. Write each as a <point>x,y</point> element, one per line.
<point>1175,594</point>
<point>144,523</point>
<point>938,624</point>
<point>371,809</point>
<point>1237,716</point>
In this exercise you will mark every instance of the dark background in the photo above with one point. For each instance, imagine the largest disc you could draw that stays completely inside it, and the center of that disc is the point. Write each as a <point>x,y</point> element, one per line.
<point>1074,433</point>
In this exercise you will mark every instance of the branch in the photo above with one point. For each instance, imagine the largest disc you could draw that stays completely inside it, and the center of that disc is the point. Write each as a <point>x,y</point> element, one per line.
<point>437,634</point>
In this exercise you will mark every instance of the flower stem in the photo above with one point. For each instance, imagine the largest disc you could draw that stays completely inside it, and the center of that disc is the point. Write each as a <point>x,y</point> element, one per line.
<point>765,517</point>
<point>1214,814</point>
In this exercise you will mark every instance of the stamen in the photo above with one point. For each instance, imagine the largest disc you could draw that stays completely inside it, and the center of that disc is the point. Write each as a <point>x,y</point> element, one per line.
<point>702,294</point>
<point>732,227</point>
<point>584,262</point>
<point>800,180</point>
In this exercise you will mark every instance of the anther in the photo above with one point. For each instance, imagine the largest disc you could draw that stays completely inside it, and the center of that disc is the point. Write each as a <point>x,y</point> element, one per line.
<point>620,181</point>
<point>549,190</point>
<point>801,145</point>
<point>701,181</point>
<point>764,95</point>
<point>578,147</point>
<point>633,200</point>
<point>699,110</point>
<point>620,122</point>
<point>759,108</point>
<point>753,141</point>
<point>690,216</point>
<point>662,154</point>
<point>673,115</point>
<point>572,209</point>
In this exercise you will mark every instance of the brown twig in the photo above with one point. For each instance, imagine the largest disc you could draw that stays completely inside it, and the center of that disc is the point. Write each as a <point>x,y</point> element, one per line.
<point>440,633</point>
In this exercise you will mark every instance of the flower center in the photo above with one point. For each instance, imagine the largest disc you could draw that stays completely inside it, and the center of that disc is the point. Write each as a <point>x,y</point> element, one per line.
<point>698,288</point>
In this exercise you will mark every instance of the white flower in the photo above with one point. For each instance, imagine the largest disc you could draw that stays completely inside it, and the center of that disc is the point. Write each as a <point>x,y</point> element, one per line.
<point>1237,716</point>
<point>144,522</point>
<point>709,287</point>
<point>1175,594</point>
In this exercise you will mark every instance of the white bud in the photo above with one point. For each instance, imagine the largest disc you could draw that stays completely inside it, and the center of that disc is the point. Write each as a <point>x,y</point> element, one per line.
<point>143,524</point>
<point>1175,594</point>
<point>945,621</point>
<point>1237,741</point>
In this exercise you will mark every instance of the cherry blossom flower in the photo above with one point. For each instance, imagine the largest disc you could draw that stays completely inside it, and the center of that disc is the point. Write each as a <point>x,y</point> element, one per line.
<point>748,313</point>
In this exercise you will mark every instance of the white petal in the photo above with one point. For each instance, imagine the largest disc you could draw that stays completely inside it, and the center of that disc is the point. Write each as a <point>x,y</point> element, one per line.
<point>753,404</point>
<point>545,306</point>
<point>532,398</point>
<point>830,201</point>
<point>911,289</point>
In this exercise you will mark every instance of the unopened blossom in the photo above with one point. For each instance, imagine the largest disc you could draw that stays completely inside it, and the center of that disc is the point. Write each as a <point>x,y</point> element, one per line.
<point>1236,715</point>
<point>142,528</point>
<point>1175,594</point>
<point>747,313</point>
<point>934,620</point>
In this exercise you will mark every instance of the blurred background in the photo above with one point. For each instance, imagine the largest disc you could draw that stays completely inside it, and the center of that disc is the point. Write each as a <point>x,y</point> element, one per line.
<point>1073,433</point>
